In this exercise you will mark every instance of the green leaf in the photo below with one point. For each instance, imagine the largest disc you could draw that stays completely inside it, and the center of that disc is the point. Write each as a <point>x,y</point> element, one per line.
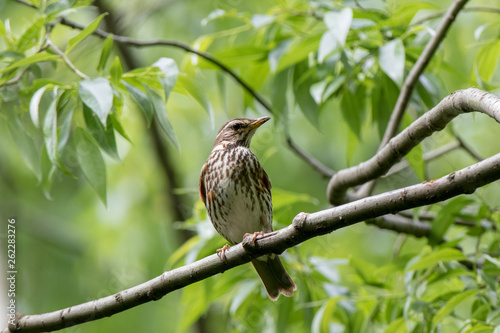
<point>192,89</point>
<point>141,99</point>
<point>397,326</point>
<point>116,71</point>
<point>50,131</point>
<point>26,146</point>
<point>338,24</point>
<point>245,289</point>
<point>106,50</point>
<point>59,6</point>
<point>327,45</point>
<point>37,57</point>
<point>486,60</point>
<point>221,84</point>
<point>87,31</point>
<point>275,54</point>
<point>98,96</point>
<point>383,99</point>
<point>161,115</point>
<point>317,90</point>
<point>416,159</point>
<point>64,131</point>
<point>441,255</point>
<point>35,103</point>
<point>352,106</point>
<point>105,136</point>
<point>118,126</point>
<point>171,72</point>
<point>416,156</point>
<point>446,216</point>
<point>365,270</point>
<point>194,299</point>
<point>31,36</point>
<point>392,60</point>
<point>326,315</point>
<point>451,305</point>
<point>298,51</point>
<point>241,56</point>
<point>283,198</point>
<point>279,87</point>
<point>91,162</point>
<point>303,78</point>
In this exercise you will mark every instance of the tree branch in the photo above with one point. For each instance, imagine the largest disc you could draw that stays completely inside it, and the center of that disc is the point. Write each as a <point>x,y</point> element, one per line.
<point>468,149</point>
<point>402,224</point>
<point>304,226</point>
<point>492,10</point>
<point>417,70</point>
<point>66,60</point>
<point>410,82</point>
<point>462,101</point>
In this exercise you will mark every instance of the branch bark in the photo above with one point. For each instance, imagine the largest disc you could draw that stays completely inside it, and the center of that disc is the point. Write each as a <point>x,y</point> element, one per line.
<point>304,226</point>
<point>462,101</point>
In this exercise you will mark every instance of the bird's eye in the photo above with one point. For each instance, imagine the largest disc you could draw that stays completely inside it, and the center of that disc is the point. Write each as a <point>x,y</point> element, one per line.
<point>236,126</point>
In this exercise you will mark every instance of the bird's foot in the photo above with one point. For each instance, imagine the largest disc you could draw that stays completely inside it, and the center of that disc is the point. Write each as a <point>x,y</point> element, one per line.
<point>222,252</point>
<point>254,235</point>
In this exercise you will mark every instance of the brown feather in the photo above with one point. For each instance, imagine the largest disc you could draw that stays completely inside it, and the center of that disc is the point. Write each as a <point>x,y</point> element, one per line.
<point>202,189</point>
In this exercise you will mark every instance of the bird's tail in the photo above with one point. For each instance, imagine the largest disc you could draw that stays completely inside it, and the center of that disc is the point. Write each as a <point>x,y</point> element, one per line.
<point>274,276</point>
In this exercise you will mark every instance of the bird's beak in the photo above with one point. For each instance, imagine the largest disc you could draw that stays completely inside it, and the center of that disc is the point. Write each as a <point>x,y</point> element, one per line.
<point>258,122</point>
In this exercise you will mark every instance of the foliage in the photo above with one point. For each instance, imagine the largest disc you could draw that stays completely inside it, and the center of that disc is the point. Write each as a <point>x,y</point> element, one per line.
<point>333,71</point>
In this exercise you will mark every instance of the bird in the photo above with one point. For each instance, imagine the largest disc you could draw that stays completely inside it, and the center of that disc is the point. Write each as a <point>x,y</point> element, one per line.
<point>237,194</point>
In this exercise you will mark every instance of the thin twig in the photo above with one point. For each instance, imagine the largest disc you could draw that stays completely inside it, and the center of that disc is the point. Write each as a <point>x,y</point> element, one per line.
<point>179,45</point>
<point>15,79</point>
<point>468,149</point>
<point>26,3</point>
<point>402,225</point>
<point>65,59</point>
<point>428,216</point>
<point>317,165</point>
<point>398,245</point>
<point>432,16</point>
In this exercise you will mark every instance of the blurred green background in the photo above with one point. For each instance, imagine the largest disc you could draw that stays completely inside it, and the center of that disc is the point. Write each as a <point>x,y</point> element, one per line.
<point>71,248</point>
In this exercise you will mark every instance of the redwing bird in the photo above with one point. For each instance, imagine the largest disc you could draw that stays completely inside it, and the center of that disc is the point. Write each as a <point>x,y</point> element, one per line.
<point>237,193</point>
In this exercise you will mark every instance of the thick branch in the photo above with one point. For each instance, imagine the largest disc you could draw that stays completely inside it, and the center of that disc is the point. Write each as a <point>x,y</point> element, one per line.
<point>304,227</point>
<point>467,100</point>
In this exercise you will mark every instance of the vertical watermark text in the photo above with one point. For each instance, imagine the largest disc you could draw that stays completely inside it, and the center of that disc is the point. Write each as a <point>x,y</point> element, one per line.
<point>11,271</point>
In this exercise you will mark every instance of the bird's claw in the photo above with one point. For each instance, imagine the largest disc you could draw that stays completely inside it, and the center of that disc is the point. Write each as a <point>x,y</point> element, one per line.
<point>222,252</point>
<point>254,235</point>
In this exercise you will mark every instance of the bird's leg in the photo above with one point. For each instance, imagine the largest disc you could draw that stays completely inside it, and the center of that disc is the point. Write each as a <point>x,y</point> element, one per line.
<point>254,235</point>
<point>222,252</point>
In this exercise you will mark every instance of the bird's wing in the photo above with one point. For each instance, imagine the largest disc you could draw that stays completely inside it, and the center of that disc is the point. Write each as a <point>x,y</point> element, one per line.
<point>266,181</point>
<point>203,191</point>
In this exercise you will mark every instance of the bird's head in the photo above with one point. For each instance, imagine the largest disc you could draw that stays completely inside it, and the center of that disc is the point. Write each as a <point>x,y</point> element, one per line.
<point>238,131</point>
